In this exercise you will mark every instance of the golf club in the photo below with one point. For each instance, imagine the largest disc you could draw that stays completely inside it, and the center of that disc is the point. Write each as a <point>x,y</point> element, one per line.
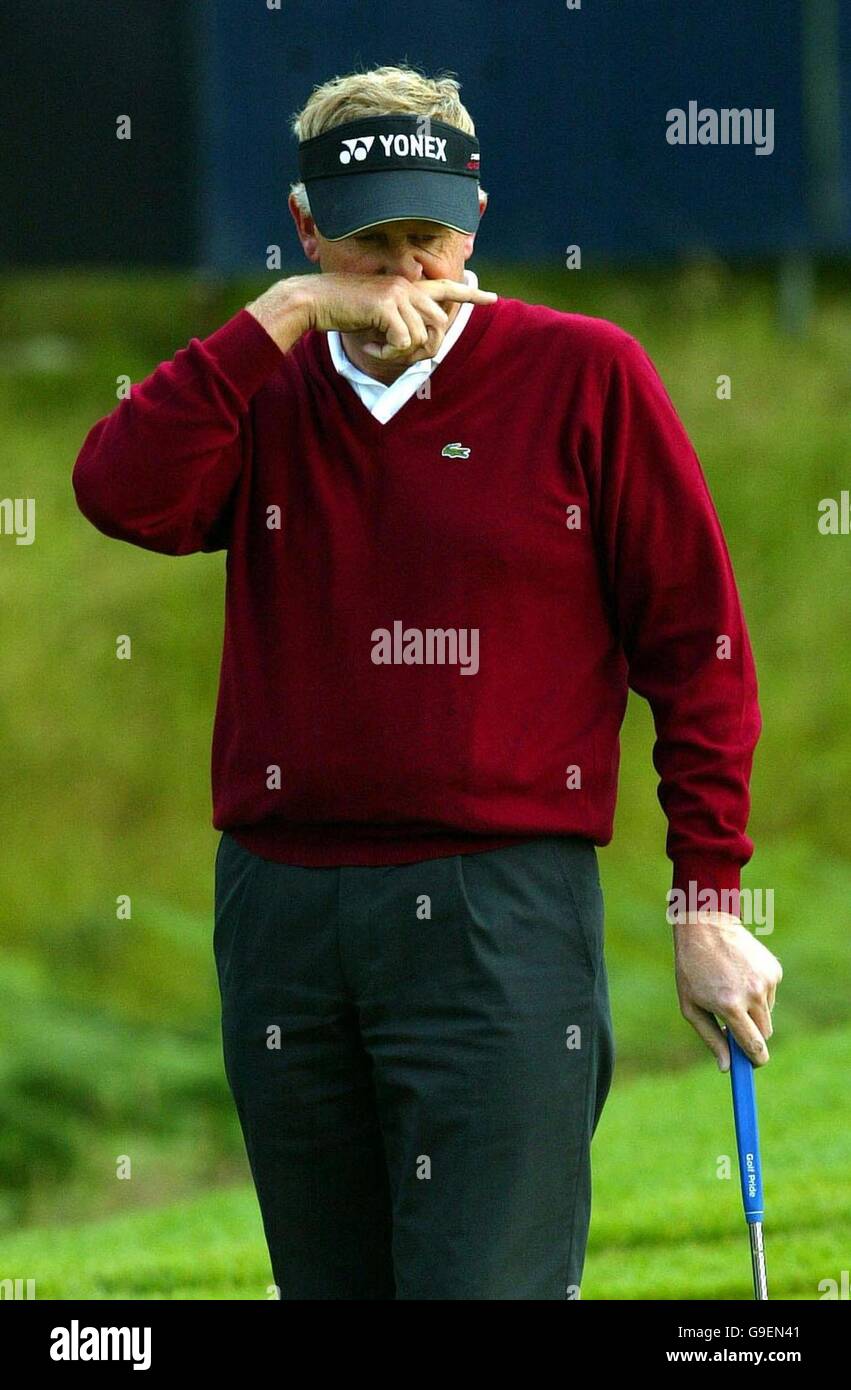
<point>750,1164</point>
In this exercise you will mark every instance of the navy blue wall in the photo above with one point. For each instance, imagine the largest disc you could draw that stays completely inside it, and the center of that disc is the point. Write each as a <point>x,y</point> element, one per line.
<point>570,110</point>
<point>569,107</point>
<point>70,192</point>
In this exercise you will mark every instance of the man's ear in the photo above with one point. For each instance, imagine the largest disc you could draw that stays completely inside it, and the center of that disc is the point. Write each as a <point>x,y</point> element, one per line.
<point>306,230</point>
<point>470,237</point>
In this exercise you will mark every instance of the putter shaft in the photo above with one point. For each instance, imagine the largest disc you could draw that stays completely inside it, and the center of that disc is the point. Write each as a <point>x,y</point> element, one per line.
<point>760,1280</point>
<point>750,1162</point>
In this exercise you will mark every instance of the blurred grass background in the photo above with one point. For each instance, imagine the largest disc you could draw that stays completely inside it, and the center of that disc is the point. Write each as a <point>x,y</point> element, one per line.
<point>109,1039</point>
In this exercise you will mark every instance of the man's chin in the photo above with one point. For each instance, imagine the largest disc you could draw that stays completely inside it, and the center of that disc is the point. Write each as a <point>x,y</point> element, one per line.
<point>371,347</point>
<point>366,345</point>
<point>365,337</point>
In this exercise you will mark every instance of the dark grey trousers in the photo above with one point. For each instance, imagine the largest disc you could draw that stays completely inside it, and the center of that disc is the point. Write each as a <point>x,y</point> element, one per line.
<point>419,1055</point>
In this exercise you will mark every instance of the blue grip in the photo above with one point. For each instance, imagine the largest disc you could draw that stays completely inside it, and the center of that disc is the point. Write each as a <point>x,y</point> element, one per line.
<point>747,1130</point>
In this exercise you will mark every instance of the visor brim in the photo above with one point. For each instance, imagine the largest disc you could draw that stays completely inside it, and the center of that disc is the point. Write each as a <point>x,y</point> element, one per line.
<point>342,206</point>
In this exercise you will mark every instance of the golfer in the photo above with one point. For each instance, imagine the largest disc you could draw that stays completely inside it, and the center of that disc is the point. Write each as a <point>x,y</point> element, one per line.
<point>458,527</point>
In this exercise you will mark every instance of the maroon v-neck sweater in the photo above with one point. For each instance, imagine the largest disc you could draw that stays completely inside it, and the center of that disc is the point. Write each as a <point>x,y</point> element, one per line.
<point>427,649</point>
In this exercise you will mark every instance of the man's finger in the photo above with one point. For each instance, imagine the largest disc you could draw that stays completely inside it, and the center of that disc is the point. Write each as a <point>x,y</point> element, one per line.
<point>426,324</point>
<point>705,1024</point>
<point>397,334</point>
<point>761,1015</point>
<point>748,1036</point>
<point>416,327</point>
<point>456,290</point>
<point>436,323</point>
<point>431,312</point>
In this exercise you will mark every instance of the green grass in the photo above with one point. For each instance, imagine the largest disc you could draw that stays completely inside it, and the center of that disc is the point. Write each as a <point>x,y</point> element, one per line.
<point>665,1224</point>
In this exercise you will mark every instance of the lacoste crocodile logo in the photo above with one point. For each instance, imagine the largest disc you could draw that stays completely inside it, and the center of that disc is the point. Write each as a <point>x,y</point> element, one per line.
<point>455,451</point>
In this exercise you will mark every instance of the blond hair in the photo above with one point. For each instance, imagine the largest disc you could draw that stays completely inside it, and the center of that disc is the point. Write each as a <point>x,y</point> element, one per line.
<point>379,92</point>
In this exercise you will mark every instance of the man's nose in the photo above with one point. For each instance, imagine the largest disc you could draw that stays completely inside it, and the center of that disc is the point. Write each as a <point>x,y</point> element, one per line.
<point>403,262</point>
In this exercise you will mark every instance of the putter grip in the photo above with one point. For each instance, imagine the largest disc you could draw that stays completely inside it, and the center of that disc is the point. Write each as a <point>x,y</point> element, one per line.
<point>747,1130</point>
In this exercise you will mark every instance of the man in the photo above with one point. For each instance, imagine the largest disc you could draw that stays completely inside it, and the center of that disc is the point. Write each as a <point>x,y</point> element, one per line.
<point>457,528</point>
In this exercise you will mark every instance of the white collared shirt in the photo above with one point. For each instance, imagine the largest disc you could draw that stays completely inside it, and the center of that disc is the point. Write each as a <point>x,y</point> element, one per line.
<point>382,400</point>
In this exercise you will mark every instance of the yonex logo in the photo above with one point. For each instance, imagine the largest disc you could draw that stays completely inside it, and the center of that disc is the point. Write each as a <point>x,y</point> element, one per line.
<point>403,146</point>
<point>358,148</point>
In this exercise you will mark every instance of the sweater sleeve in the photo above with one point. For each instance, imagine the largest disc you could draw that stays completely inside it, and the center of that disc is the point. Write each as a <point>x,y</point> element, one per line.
<point>160,470</point>
<point>680,621</point>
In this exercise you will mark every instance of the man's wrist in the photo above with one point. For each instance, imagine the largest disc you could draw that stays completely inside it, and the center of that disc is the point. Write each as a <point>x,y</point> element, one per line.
<point>284,311</point>
<point>704,886</point>
<point>706,918</point>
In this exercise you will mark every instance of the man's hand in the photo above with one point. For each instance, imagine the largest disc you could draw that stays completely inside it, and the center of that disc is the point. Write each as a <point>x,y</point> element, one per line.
<point>405,315</point>
<point>722,969</point>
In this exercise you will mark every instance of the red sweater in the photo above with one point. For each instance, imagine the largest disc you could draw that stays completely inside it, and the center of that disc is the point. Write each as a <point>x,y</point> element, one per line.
<point>428,653</point>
